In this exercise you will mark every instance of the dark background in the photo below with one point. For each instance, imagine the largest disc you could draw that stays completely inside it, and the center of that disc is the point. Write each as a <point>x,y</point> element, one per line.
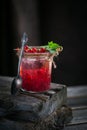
<point>58,21</point>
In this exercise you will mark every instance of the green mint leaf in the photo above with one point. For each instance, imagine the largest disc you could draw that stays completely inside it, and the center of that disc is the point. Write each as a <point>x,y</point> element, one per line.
<point>51,46</point>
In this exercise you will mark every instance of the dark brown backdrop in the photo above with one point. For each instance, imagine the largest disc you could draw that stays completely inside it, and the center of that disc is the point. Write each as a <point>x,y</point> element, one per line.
<point>62,22</point>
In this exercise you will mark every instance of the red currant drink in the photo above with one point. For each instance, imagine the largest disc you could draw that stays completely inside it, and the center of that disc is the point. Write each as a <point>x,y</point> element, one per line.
<point>35,71</point>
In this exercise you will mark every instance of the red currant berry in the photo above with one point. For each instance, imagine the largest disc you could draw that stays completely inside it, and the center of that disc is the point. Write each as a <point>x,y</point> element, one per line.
<point>34,49</point>
<point>26,48</point>
<point>30,51</point>
<point>42,50</point>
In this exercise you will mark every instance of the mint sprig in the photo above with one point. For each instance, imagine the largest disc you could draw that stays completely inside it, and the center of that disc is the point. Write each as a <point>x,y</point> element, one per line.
<point>52,47</point>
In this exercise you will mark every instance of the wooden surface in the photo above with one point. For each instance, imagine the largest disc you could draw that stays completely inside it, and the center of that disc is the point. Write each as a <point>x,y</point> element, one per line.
<point>36,111</point>
<point>76,98</point>
<point>34,105</point>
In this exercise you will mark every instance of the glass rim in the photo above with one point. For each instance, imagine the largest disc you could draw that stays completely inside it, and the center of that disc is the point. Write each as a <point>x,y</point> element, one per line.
<point>25,54</point>
<point>47,53</point>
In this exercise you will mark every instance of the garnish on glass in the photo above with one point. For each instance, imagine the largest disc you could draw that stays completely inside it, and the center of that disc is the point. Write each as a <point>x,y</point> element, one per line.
<point>52,48</point>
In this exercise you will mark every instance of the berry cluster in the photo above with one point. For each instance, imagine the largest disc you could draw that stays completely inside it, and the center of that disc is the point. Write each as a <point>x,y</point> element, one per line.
<point>27,49</point>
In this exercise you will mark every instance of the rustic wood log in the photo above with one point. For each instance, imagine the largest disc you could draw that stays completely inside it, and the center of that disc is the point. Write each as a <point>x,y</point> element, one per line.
<point>34,111</point>
<point>56,121</point>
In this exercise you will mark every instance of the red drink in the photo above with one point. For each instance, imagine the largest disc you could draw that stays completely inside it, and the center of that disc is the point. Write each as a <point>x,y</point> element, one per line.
<point>35,71</point>
<point>36,64</point>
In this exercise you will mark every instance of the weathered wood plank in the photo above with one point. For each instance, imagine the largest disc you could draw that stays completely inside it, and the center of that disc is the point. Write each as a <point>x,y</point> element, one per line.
<point>33,105</point>
<point>77,96</point>
<point>24,111</point>
<point>56,120</point>
<point>77,91</point>
<point>79,115</point>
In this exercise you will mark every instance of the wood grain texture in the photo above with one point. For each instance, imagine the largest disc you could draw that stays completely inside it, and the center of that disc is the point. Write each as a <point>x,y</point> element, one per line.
<point>24,111</point>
